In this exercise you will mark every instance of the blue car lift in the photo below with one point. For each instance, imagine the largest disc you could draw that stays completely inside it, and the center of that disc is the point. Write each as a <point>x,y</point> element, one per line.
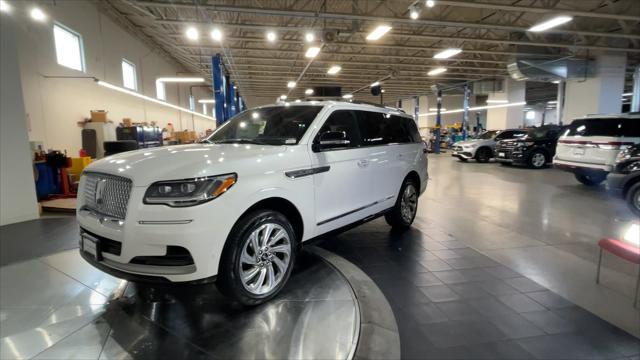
<point>227,97</point>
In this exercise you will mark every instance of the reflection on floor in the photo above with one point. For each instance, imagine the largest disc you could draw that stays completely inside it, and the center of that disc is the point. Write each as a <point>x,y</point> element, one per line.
<point>59,307</point>
<point>452,302</point>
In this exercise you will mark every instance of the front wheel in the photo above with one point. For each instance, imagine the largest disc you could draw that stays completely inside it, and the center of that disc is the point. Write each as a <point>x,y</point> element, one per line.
<point>258,257</point>
<point>483,155</point>
<point>404,211</point>
<point>633,198</point>
<point>591,179</point>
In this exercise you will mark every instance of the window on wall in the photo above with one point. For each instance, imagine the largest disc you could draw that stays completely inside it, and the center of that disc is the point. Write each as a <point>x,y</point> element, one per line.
<point>69,50</point>
<point>129,78</point>
<point>161,92</point>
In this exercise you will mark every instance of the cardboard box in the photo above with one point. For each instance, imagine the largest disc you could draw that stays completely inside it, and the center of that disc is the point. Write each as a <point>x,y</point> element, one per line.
<point>98,116</point>
<point>186,137</point>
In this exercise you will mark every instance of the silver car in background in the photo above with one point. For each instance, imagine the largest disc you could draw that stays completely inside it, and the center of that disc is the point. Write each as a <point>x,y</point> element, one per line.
<point>482,147</point>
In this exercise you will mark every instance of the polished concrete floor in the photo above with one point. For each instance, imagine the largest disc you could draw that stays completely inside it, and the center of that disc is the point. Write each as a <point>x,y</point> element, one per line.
<point>541,223</point>
<point>59,307</point>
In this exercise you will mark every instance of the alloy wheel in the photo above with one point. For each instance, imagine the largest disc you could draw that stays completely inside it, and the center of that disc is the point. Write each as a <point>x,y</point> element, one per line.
<point>538,160</point>
<point>265,258</point>
<point>409,203</point>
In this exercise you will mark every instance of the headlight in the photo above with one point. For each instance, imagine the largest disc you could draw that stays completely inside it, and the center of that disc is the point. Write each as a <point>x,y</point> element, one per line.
<point>180,193</point>
<point>623,155</point>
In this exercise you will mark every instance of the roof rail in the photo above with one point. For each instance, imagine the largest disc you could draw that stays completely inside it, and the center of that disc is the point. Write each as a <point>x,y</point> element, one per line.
<point>377,105</point>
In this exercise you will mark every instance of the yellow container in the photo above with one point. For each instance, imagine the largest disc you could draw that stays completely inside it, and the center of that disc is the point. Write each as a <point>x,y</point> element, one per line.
<point>78,164</point>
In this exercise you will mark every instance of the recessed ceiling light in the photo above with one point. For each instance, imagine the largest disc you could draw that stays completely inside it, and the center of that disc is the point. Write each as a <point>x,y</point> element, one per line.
<point>291,84</point>
<point>430,3</point>
<point>312,52</point>
<point>445,54</point>
<point>271,36</point>
<point>298,100</point>
<point>37,14</point>
<point>378,32</point>
<point>382,90</point>
<point>414,13</point>
<point>437,71</point>
<point>216,34</point>
<point>309,37</point>
<point>334,69</point>
<point>309,92</point>
<point>192,33</point>
<point>551,23</point>
<point>4,6</point>
<point>497,101</point>
<point>347,96</point>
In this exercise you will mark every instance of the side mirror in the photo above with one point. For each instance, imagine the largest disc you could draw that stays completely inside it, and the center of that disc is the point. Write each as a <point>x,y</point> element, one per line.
<point>332,140</point>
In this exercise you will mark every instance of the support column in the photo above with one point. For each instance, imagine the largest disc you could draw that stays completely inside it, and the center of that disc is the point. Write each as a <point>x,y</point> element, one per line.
<point>507,117</point>
<point>599,94</point>
<point>635,100</point>
<point>560,103</point>
<point>17,188</point>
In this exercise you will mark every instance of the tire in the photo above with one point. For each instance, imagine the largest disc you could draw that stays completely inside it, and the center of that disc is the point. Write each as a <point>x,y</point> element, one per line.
<point>633,198</point>
<point>462,159</point>
<point>396,217</point>
<point>240,256</point>
<point>483,155</point>
<point>537,159</point>
<point>506,163</point>
<point>590,179</point>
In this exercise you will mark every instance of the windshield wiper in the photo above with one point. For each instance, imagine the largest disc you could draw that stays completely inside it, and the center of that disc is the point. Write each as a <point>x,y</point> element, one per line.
<point>240,141</point>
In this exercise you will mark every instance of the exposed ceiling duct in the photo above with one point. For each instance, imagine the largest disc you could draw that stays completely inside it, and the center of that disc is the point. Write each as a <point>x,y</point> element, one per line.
<point>550,70</point>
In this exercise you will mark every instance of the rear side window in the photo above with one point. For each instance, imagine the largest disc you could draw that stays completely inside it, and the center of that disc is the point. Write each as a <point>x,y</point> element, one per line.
<point>410,128</point>
<point>373,128</point>
<point>621,127</point>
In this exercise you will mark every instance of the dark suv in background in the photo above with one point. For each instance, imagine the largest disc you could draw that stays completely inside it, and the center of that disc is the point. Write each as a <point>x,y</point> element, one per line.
<point>625,177</point>
<point>535,150</point>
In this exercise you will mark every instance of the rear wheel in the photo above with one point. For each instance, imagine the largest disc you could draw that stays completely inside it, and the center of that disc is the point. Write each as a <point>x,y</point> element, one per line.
<point>483,155</point>
<point>537,160</point>
<point>404,211</point>
<point>591,179</point>
<point>633,198</point>
<point>258,257</point>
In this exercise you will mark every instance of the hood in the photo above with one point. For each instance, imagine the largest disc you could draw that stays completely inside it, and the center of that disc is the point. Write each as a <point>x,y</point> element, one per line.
<point>146,166</point>
<point>471,141</point>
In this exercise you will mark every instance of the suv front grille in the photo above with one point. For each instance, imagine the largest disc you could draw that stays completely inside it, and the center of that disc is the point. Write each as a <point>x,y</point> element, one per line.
<point>107,194</point>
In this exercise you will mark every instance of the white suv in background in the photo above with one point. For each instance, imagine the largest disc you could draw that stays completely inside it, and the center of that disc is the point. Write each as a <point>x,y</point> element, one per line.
<point>237,207</point>
<point>588,147</point>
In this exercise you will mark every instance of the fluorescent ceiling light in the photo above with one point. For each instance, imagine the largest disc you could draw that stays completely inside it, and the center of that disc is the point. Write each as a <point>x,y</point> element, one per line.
<point>476,108</point>
<point>430,3</point>
<point>382,90</point>
<point>181,79</point>
<point>334,69</point>
<point>497,101</point>
<point>4,6</point>
<point>551,23</point>
<point>216,34</point>
<point>309,92</point>
<point>627,94</point>
<point>271,36</point>
<point>309,37</point>
<point>378,32</point>
<point>283,97</point>
<point>37,14</point>
<point>298,100</point>
<point>552,102</point>
<point>445,54</point>
<point>556,82</point>
<point>374,84</point>
<point>207,101</point>
<point>291,84</point>
<point>192,33</point>
<point>436,109</point>
<point>347,96</point>
<point>437,71</point>
<point>156,101</point>
<point>312,52</point>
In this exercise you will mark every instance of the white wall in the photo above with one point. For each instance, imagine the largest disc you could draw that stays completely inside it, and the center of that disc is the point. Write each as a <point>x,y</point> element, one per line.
<point>507,117</point>
<point>17,188</point>
<point>54,106</point>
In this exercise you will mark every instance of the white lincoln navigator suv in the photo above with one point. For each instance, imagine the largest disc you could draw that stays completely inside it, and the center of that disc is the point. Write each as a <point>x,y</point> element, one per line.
<point>236,207</point>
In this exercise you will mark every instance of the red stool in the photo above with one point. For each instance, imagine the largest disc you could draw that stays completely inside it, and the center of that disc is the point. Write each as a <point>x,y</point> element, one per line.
<point>622,250</point>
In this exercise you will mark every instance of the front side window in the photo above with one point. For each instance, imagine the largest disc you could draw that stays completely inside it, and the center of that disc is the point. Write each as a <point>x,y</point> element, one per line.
<point>488,135</point>
<point>345,122</point>
<point>69,50</point>
<point>275,125</point>
<point>129,77</point>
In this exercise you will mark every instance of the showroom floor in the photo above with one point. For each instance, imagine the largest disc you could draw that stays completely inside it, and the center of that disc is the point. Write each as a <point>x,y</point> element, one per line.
<point>500,263</point>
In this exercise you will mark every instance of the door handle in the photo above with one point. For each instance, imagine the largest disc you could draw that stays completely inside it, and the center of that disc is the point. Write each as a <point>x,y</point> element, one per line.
<point>363,163</point>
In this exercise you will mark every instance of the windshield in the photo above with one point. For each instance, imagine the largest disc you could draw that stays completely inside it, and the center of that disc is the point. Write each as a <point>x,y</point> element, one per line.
<point>541,132</point>
<point>488,135</point>
<point>612,127</point>
<point>275,125</point>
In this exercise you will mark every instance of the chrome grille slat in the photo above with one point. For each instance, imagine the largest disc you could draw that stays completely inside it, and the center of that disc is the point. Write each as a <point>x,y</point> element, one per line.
<point>115,196</point>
